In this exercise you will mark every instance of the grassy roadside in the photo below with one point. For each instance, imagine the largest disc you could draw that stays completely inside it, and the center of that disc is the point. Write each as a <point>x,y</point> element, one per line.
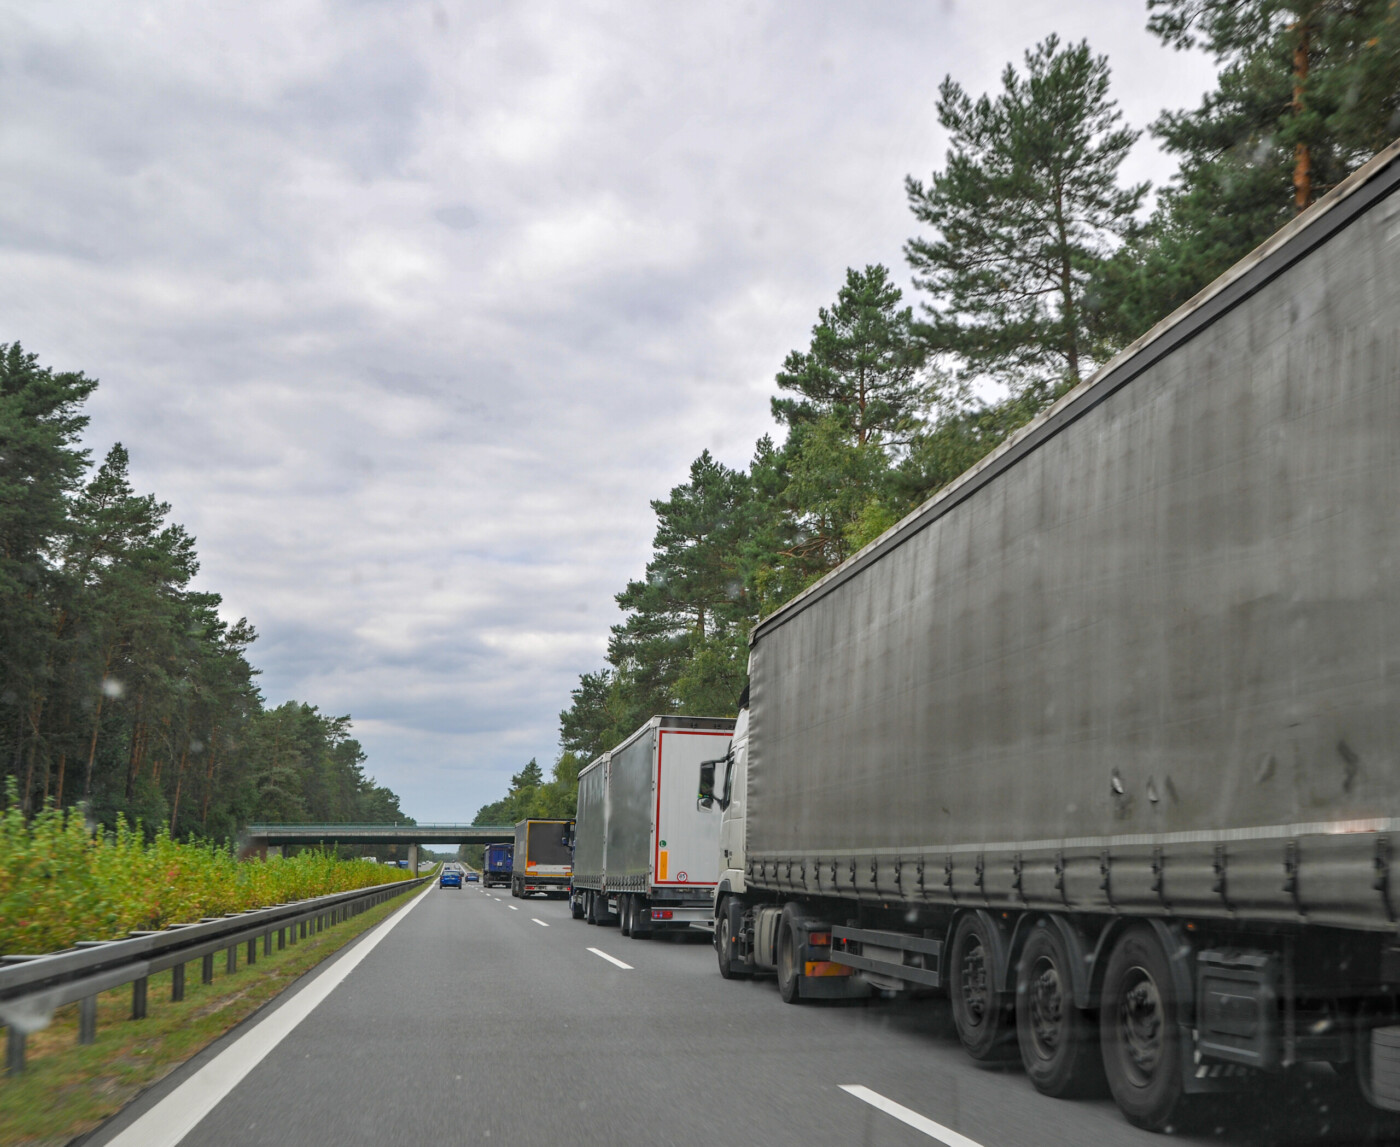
<point>69,1088</point>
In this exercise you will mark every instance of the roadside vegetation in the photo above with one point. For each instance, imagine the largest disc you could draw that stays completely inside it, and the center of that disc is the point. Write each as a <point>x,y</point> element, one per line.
<point>61,881</point>
<point>1033,264</point>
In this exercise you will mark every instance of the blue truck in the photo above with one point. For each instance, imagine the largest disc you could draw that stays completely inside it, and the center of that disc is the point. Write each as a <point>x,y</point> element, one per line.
<point>496,866</point>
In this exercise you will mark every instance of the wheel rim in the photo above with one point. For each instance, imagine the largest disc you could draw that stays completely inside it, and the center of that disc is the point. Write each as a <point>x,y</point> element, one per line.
<point>1141,1026</point>
<point>725,939</point>
<point>1047,1004</point>
<point>972,978</point>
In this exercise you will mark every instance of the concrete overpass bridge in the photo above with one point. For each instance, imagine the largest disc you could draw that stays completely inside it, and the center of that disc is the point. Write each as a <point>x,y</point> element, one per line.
<point>262,836</point>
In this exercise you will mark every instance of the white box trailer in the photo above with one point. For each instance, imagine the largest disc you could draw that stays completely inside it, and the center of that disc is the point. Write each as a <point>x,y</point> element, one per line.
<point>646,853</point>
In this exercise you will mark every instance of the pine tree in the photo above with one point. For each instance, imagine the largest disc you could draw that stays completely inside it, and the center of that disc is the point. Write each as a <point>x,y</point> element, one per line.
<point>1026,208</point>
<point>862,368</point>
<point>1308,91</point>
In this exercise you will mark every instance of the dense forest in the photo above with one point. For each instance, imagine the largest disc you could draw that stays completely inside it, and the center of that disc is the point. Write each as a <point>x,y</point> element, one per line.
<point>121,687</point>
<point>1034,264</point>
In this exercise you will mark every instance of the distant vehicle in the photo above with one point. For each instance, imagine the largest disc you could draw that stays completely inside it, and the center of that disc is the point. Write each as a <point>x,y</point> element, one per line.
<point>450,878</point>
<point>543,857</point>
<point>473,878</point>
<point>497,865</point>
<point>399,863</point>
<point>371,859</point>
<point>646,855</point>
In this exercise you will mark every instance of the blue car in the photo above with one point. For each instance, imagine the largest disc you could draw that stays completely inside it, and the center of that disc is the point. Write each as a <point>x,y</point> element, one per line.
<point>450,878</point>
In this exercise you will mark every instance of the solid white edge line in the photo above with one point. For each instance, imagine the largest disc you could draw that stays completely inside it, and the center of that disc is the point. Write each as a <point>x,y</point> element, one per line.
<point>945,1135</point>
<point>538,921</point>
<point>611,959</point>
<point>175,1116</point>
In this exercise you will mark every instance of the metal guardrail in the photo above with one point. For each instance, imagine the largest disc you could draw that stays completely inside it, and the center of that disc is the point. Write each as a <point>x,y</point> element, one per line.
<point>349,826</point>
<point>33,987</point>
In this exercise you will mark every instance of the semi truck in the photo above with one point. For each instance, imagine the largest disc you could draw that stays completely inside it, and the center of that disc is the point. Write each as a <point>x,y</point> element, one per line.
<point>1103,740</point>
<point>542,858</point>
<point>496,866</point>
<point>645,851</point>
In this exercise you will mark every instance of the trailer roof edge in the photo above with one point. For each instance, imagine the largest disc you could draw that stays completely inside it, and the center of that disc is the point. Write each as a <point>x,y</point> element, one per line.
<point>1348,201</point>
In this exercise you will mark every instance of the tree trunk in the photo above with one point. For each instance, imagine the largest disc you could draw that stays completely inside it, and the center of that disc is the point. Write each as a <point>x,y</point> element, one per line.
<point>135,759</point>
<point>1302,154</point>
<point>35,715</point>
<point>179,781</point>
<point>1067,289</point>
<point>62,761</point>
<point>92,744</point>
<point>209,778</point>
<point>96,725</point>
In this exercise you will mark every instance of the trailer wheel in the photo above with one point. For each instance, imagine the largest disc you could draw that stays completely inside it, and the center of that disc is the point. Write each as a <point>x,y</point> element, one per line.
<point>641,918</point>
<point>1139,1033</point>
<point>1059,1043</point>
<point>576,902</point>
<point>789,969</point>
<point>588,914</point>
<point>624,914</point>
<point>979,1012</point>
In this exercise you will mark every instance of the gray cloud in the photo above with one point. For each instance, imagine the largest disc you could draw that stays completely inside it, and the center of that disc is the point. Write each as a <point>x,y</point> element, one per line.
<point>410,308</point>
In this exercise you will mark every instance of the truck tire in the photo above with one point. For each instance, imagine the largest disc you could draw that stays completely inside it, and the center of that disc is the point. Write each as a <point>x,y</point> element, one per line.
<point>789,963</point>
<point>588,907</point>
<point>979,1012</point>
<point>1059,1043</point>
<point>641,918</point>
<point>1138,1031</point>
<point>576,902</point>
<point>725,944</point>
<point>624,914</point>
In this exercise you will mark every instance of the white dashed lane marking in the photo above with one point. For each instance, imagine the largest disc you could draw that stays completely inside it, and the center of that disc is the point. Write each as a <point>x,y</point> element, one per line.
<point>611,959</point>
<point>945,1135</point>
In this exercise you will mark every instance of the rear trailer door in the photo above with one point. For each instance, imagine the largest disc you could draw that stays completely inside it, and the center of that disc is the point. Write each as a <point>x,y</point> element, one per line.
<point>549,849</point>
<point>685,844</point>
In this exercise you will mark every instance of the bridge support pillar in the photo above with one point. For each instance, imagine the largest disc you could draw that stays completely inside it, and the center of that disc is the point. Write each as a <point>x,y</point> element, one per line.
<point>413,860</point>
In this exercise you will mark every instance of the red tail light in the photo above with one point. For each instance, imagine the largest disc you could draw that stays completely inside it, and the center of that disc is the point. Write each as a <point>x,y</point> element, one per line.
<point>819,939</point>
<point>662,914</point>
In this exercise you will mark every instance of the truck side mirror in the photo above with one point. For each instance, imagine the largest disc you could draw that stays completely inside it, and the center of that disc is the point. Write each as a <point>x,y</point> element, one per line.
<point>706,796</point>
<point>728,794</point>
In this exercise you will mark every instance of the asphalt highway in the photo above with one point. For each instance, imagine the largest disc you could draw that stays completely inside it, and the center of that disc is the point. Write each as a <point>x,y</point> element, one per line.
<point>478,1018</point>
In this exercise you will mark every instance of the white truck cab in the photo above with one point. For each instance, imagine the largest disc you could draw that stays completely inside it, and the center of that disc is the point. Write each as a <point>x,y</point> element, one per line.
<point>730,792</point>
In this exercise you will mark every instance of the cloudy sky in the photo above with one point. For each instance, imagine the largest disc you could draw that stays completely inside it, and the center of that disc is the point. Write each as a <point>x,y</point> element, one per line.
<point>410,308</point>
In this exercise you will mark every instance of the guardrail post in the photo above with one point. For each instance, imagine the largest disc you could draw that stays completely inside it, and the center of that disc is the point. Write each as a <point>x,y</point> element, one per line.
<point>232,962</point>
<point>14,1051</point>
<point>303,929</point>
<point>206,969</point>
<point>87,1020</point>
<point>177,983</point>
<point>267,942</point>
<point>252,951</point>
<point>281,938</point>
<point>138,999</point>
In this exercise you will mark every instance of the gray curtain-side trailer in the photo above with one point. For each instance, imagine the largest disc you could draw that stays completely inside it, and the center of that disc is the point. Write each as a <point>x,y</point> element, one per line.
<point>1104,739</point>
<point>645,852</point>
